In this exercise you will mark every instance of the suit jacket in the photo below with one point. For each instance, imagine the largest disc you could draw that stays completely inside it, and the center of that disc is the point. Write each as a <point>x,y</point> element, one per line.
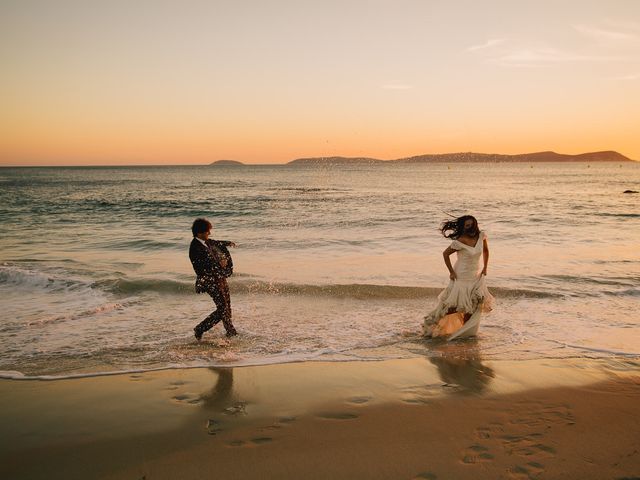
<point>207,265</point>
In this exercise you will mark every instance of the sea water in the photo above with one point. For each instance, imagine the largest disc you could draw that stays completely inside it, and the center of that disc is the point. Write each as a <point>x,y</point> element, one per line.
<point>332,263</point>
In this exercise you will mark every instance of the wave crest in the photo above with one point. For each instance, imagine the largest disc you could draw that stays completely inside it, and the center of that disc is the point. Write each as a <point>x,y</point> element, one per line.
<point>354,290</point>
<point>34,280</point>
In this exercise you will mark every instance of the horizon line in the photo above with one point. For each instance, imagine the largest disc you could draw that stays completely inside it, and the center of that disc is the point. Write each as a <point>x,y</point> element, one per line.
<point>211,163</point>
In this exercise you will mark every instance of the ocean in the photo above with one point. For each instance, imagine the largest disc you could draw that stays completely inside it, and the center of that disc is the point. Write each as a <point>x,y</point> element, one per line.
<point>333,263</point>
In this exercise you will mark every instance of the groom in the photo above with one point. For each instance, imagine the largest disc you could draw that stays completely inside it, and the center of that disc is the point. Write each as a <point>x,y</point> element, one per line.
<point>212,263</point>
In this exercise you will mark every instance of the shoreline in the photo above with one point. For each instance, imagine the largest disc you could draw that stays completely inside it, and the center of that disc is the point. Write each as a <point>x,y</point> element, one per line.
<point>442,353</point>
<point>443,417</point>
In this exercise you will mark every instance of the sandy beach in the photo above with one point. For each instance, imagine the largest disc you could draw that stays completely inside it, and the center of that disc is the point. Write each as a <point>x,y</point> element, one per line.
<point>441,418</point>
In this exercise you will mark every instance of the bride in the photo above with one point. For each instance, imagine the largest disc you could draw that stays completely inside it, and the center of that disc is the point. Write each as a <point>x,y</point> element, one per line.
<point>460,305</point>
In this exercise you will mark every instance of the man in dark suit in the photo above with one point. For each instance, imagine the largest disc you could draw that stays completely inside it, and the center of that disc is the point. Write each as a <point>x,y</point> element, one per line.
<point>212,263</point>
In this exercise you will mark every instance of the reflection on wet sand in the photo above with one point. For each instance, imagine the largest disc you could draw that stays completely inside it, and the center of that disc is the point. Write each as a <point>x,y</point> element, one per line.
<point>220,397</point>
<point>461,366</point>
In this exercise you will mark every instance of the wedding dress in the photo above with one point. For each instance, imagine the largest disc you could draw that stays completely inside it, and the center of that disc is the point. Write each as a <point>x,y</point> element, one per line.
<point>468,293</point>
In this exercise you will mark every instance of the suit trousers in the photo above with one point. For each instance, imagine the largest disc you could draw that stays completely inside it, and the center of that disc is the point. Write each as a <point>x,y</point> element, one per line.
<point>219,292</point>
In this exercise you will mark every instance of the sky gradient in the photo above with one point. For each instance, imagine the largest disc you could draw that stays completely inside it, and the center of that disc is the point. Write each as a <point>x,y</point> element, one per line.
<point>192,81</point>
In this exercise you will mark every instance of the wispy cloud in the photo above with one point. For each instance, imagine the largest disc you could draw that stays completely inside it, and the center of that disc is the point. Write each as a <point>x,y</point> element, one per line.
<point>608,34</point>
<point>527,56</point>
<point>608,41</point>
<point>492,42</point>
<point>397,86</point>
<point>544,56</point>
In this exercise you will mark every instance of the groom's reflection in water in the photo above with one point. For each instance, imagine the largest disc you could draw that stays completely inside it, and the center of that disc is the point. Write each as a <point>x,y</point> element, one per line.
<point>220,397</point>
<point>460,366</point>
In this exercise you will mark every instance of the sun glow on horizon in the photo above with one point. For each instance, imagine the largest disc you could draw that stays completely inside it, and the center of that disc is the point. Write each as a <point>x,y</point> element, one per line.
<point>192,82</point>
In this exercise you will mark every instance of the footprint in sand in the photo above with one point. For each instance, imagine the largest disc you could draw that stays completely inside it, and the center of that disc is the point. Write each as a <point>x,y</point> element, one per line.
<point>358,400</point>
<point>261,440</point>
<point>526,445</point>
<point>275,426</point>
<point>476,454</point>
<point>535,467</point>
<point>338,416</point>
<point>489,431</point>
<point>530,471</point>
<point>524,436</point>
<point>545,448</point>
<point>175,385</point>
<point>254,441</point>
<point>425,476</point>
<point>240,408</point>
<point>287,420</point>
<point>543,415</point>
<point>417,400</point>
<point>186,398</point>
<point>213,427</point>
<point>281,422</point>
<point>532,427</point>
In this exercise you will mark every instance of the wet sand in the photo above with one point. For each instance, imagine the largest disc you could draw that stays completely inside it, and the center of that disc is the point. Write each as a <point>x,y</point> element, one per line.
<point>442,418</point>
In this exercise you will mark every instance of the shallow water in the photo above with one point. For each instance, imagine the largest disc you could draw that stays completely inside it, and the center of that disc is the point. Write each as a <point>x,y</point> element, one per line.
<point>333,263</point>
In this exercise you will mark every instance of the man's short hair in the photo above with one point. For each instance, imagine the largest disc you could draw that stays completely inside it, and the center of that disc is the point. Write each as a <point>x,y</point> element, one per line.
<point>200,225</point>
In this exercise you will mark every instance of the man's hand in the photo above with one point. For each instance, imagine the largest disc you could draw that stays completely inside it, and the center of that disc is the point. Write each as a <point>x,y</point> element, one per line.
<point>484,271</point>
<point>232,244</point>
<point>453,276</point>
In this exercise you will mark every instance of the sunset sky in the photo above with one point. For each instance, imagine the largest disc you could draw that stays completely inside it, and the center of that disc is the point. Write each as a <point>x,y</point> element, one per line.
<point>194,81</point>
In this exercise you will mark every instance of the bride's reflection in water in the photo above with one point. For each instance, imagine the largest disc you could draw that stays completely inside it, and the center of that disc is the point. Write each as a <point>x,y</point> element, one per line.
<point>460,365</point>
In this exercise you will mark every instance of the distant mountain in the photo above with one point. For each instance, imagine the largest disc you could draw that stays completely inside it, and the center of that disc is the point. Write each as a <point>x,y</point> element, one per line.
<point>334,161</point>
<point>227,163</point>
<point>607,156</point>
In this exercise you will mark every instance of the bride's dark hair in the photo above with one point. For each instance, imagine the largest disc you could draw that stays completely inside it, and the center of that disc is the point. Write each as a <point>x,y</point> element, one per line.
<point>456,227</point>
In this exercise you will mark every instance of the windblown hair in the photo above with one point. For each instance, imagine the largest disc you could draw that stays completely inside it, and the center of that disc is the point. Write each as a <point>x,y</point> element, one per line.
<point>455,228</point>
<point>200,225</point>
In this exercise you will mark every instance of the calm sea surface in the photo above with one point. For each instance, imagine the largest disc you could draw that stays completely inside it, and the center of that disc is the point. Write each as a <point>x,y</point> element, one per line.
<point>332,263</point>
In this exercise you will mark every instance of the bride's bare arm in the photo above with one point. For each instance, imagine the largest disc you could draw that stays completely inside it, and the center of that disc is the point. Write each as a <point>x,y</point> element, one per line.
<point>447,261</point>
<point>485,256</point>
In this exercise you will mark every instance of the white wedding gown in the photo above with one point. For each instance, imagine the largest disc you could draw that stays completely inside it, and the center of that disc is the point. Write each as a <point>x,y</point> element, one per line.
<point>468,293</point>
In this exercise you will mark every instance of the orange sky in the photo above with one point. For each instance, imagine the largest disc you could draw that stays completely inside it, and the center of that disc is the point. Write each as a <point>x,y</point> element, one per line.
<point>168,82</point>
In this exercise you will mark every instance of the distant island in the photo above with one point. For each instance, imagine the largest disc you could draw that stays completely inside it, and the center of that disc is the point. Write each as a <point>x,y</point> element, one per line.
<point>227,163</point>
<point>471,157</point>
<point>462,157</point>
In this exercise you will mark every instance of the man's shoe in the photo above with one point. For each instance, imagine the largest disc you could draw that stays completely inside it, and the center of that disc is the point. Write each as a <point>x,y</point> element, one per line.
<point>197,333</point>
